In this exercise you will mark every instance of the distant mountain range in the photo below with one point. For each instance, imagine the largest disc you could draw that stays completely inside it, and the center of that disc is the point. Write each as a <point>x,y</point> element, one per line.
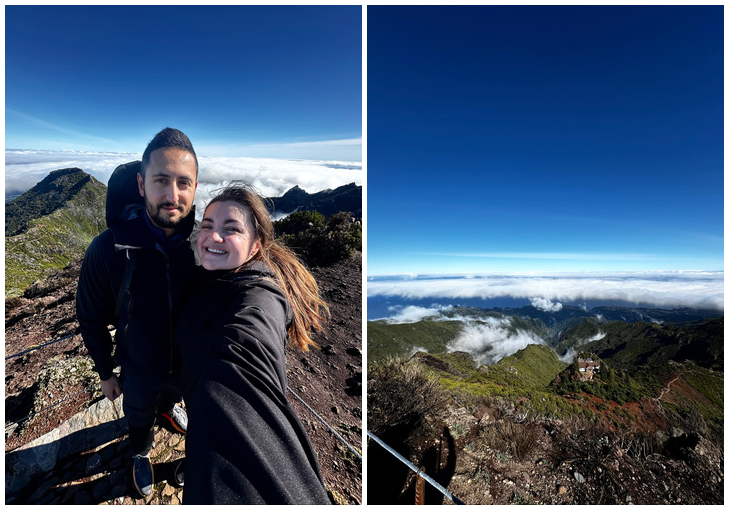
<point>639,344</point>
<point>631,337</point>
<point>557,319</point>
<point>327,202</point>
<point>50,225</point>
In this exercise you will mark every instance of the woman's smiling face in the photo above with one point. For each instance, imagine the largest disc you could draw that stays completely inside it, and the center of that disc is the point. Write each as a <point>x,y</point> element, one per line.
<point>227,236</point>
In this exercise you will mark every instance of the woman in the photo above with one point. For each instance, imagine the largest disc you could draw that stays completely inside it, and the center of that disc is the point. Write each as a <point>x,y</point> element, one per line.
<point>245,443</point>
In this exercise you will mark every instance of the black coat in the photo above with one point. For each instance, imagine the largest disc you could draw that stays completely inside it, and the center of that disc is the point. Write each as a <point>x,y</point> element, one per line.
<point>160,282</point>
<point>245,444</point>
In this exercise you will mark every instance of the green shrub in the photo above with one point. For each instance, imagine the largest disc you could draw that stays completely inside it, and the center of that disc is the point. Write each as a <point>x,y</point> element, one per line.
<point>320,241</point>
<point>298,222</point>
<point>458,430</point>
<point>399,393</point>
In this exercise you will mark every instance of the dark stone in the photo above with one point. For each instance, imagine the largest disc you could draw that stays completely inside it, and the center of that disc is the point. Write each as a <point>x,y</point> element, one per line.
<point>83,498</point>
<point>117,477</point>
<point>101,490</point>
<point>354,351</point>
<point>118,491</point>
<point>93,465</point>
<point>46,499</point>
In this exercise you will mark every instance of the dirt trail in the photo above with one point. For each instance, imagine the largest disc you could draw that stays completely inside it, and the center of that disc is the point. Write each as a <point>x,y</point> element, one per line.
<point>668,386</point>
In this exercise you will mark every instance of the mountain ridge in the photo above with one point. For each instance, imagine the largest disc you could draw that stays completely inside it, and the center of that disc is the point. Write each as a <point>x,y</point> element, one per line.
<point>327,202</point>
<point>50,194</point>
<point>51,225</point>
<point>568,330</point>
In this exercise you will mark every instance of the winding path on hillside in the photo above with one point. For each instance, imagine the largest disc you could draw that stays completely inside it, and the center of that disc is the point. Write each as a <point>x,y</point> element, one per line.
<point>668,386</point>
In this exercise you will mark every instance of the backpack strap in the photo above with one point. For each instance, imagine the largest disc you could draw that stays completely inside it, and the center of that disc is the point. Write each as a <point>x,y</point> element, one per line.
<point>131,265</point>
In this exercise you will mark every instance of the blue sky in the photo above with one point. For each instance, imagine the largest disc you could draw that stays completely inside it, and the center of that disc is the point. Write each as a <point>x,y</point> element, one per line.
<point>548,138</point>
<point>241,81</point>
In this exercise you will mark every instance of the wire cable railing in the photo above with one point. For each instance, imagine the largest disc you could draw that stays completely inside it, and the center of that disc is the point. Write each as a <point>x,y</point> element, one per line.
<point>418,472</point>
<point>36,347</point>
<point>336,434</point>
<point>12,425</point>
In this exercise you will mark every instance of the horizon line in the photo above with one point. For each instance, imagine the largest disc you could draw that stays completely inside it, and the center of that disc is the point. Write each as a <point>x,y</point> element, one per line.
<point>537,272</point>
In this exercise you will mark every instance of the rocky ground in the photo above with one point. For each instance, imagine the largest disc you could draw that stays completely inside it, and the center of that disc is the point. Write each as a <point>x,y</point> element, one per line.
<point>569,465</point>
<point>56,382</point>
<point>485,453</point>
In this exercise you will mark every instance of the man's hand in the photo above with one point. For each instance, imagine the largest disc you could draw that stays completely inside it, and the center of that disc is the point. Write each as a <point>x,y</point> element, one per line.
<point>110,388</point>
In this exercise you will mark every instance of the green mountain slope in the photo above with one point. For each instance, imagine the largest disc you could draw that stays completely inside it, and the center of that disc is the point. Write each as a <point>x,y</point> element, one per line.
<point>385,340</point>
<point>401,340</point>
<point>637,345</point>
<point>526,373</point>
<point>533,367</point>
<point>51,225</point>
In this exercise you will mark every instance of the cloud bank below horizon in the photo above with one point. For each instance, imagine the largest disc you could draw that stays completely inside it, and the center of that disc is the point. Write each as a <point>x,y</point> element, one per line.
<point>692,289</point>
<point>272,177</point>
<point>414,313</point>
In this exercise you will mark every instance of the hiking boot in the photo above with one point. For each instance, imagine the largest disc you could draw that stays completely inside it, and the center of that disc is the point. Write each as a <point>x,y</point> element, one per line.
<point>142,474</point>
<point>177,417</point>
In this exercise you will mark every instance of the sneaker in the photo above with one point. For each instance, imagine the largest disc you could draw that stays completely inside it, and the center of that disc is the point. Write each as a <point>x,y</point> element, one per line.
<point>179,475</point>
<point>177,417</point>
<point>142,474</point>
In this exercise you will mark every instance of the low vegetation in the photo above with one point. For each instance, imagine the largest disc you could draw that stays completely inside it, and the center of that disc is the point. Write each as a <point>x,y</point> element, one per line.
<point>50,194</point>
<point>43,244</point>
<point>532,429</point>
<point>386,341</point>
<point>608,384</point>
<point>318,240</point>
<point>401,394</point>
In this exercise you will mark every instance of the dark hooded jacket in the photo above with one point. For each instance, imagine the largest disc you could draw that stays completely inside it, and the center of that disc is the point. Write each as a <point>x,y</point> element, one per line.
<point>245,444</point>
<point>160,282</point>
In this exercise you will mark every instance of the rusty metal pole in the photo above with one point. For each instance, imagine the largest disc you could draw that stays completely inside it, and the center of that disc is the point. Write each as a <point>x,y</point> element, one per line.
<point>419,487</point>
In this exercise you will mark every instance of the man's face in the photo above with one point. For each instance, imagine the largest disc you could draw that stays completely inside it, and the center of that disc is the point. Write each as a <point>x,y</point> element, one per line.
<point>168,187</point>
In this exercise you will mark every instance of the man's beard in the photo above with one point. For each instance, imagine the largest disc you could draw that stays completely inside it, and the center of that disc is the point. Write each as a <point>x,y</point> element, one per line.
<point>158,217</point>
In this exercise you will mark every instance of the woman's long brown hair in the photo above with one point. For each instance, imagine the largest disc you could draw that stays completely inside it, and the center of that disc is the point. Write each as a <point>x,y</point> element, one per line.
<point>309,309</point>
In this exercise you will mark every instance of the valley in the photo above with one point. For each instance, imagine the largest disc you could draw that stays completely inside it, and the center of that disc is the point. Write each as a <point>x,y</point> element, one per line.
<point>528,427</point>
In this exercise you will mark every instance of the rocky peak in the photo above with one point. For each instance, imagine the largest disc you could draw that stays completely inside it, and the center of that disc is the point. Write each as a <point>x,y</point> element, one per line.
<point>50,225</point>
<point>52,193</point>
<point>327,202</point>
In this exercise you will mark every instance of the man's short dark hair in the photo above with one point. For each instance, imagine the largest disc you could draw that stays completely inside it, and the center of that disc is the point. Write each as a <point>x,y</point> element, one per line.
<point>167,138</point>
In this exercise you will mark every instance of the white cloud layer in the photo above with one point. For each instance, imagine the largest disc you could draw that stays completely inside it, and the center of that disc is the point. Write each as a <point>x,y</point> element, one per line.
<point>667,289</point>
<point>545,304</point>
<point>490,340</point>
<point>272,177</point>
<point>487,340</point>
<point>349,149</point>
<point>26,168</point>
<point>411,313</point>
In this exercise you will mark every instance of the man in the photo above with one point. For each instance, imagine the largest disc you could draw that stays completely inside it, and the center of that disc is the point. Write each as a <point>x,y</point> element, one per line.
<point>153,239</point>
